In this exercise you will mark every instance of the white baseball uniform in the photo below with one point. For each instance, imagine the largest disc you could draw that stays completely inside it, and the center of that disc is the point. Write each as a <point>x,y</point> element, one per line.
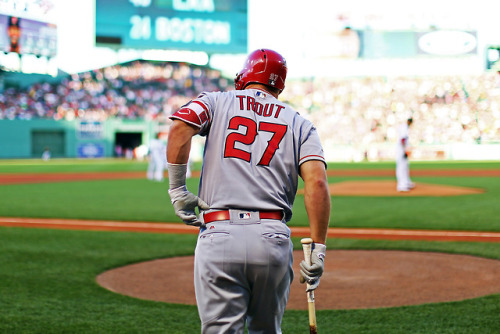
<point>404,182</point>
<point>157,160</point>
<point>243,259</point>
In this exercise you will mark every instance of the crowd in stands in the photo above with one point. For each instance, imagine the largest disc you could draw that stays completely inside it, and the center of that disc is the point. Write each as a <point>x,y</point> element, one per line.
<point>362,111</point>
<point>136,90</point>
<point>350,111</point>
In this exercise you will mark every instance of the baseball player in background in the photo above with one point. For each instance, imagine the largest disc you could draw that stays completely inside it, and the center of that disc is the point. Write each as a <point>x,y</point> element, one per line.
<point>46,154</point>
<point>157,162</point>
<point>404,182</point>
<point>255,149</point>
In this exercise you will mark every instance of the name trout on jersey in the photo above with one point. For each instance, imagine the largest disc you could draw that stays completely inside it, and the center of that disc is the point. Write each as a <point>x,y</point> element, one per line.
<point>248,103</point>
<point>196,113</point>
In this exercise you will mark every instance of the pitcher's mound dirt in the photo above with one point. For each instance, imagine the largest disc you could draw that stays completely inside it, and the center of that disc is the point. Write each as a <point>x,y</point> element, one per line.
<point>353,279</point>
<point>388,188</point>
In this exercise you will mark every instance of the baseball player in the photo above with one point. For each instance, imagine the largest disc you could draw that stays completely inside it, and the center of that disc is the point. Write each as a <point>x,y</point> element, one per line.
<point>404,182</point>
<point>157,163</point>
<point>46,154</point>
<point>256,147</point>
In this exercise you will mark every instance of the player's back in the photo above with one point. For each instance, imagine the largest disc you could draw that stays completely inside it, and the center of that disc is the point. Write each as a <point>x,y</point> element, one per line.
<point>253,149</point>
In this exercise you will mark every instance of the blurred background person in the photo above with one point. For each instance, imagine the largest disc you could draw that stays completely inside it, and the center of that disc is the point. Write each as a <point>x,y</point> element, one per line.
<point>14,32</point>
<point>404,182</point>
<point>157,159</point>
<point>46,154</point>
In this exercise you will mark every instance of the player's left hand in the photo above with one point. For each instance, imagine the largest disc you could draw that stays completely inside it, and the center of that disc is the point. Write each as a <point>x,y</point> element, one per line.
<point>185,203</point>
<point>312,273</point>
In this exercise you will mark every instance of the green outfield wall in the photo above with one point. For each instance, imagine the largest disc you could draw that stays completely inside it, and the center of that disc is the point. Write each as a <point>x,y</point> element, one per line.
<point>72,139</point>
<point>96,139</point>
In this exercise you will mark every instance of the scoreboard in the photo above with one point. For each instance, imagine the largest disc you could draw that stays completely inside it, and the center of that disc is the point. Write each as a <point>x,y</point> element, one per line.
<point>25,36</point>
<point>28,27</point>
<point>212,26</point>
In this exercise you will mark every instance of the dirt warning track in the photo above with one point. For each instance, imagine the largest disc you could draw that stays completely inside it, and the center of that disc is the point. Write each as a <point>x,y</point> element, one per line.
<point>351,233</point>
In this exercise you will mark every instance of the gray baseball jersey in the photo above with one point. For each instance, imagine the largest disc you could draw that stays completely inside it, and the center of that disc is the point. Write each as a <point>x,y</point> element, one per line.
<point>254,147</point>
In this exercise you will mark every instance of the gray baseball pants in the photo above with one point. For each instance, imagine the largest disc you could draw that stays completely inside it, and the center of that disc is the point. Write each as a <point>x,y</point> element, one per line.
<point>242,274</point>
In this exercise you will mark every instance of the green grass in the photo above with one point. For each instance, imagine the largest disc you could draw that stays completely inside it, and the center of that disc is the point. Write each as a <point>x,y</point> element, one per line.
<point>47,277</point>
<point>467,212</point>
<point>71,165</point>
<point>48,283</point>
<point>135,200</point>
<point>142,200</point>
<point>48,286</point>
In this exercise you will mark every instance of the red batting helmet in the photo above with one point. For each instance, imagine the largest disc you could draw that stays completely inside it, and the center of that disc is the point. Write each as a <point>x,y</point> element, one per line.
<point>262,66</point>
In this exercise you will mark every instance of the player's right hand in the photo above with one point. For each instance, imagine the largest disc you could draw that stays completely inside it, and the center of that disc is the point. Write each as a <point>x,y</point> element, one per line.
<point>185,204</point>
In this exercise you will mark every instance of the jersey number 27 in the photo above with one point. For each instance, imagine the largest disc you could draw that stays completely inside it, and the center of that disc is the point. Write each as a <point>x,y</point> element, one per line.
<point>278,131</point>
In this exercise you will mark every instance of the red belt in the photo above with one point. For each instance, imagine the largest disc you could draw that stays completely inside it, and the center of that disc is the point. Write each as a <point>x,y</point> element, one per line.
<point>224,215</point>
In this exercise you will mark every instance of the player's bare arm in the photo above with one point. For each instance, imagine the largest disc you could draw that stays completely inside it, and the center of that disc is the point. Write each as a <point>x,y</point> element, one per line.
<point>179,142</point>
<point>316,198</point>
<point>317,202</point>
<point>178,148</point>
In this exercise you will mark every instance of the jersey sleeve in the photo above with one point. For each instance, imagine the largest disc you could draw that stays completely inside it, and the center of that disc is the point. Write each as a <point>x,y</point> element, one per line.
<point>311,148</point>
<point>197,112</point>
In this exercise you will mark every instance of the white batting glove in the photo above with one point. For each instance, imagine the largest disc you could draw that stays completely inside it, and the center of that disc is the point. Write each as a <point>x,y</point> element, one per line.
<point>312,273</point>
<point>185,203</point>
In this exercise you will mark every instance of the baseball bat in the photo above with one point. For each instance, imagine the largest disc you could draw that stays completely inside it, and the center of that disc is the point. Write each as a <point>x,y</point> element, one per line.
<point>307,247</point>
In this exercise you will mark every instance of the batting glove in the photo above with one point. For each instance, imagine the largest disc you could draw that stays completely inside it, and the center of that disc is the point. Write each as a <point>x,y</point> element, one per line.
<point>185,203</point>
<point>312,273</point>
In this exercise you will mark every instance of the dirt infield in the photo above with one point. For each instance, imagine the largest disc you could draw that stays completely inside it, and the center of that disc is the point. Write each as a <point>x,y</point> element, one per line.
<point>379,188</point>
<point>354,279</point>
<point>178,228</point>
